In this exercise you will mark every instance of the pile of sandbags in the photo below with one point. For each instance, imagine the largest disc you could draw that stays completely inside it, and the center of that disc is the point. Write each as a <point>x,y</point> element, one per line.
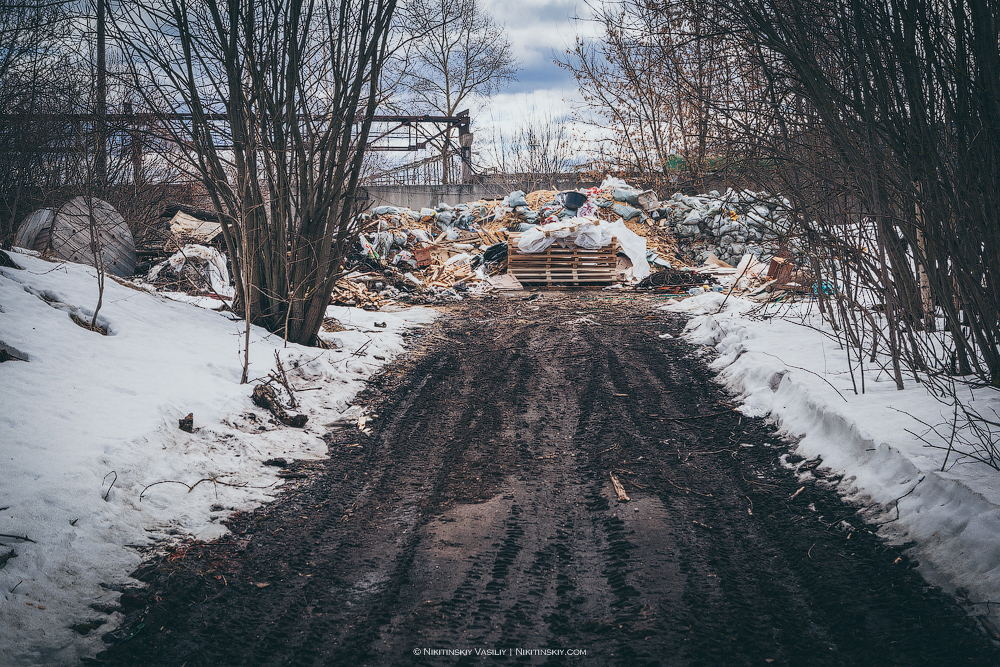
<point>731,224</point>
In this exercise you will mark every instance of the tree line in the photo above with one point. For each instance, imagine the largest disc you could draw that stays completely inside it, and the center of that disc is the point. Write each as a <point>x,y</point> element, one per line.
<point>265,106</point>
<point>878,121</point>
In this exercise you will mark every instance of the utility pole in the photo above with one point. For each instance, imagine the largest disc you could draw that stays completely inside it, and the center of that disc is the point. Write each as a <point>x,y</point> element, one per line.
<point>465,141</point>
<point>135,145</point>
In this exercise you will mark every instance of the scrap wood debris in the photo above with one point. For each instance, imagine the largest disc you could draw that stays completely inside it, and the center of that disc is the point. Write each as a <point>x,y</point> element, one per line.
<point>741,239</point>
<point>264,396</point>
<point>612,233</point>
<point>354,290</point>
<point>443,251</point>
<point>619,489</point>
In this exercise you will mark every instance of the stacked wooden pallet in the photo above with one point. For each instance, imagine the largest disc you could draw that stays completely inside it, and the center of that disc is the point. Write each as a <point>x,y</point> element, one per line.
<point>560,266</point>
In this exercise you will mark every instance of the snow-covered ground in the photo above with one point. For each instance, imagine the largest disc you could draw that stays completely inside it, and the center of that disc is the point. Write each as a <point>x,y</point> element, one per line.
<point>89,422</point>
<point>785,368</point>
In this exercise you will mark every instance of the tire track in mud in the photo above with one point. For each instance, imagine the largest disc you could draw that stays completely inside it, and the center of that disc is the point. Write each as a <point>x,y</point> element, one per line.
<point>371,578</point>
<point>518,582</point>
<point>475,429</point>
<point>479,513</point>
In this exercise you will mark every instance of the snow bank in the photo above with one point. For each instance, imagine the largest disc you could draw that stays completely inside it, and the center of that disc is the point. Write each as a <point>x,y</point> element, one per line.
<point>787,369</point>
<point>89,422</point>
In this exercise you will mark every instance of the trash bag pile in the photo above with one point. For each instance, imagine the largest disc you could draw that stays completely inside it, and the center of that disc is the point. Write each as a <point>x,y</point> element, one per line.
<point>730,225</point>
<point>739,240</point>
<point>639,211</point>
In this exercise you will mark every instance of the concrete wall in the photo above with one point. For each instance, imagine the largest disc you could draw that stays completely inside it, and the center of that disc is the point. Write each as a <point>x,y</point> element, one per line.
<point>418,196</point>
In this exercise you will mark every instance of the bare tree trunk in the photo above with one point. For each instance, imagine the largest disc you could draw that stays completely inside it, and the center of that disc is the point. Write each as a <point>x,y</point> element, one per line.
<point>298,82</point>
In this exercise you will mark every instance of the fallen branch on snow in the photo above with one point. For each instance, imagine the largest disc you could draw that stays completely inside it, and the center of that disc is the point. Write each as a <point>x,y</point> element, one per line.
<point>191,487</point>
<point>265,397</point>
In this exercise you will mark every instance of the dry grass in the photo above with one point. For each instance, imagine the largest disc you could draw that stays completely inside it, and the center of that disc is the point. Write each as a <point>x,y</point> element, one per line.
<point>79,321</point>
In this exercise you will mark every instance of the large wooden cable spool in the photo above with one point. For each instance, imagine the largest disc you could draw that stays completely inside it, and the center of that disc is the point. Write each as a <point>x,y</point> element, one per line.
<point>64,233</point>
<point>33,233</point>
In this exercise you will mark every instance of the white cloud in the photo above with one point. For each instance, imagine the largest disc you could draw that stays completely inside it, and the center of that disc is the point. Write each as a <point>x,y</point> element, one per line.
<point>502,116</point>
<point>540,31</point>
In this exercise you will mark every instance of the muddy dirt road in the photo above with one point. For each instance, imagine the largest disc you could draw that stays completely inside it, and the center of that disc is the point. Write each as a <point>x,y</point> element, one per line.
<point>479,515</point>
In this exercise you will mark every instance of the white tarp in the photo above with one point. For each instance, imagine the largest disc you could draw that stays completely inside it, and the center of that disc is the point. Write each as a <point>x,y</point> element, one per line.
<point>207,261</point>
<point>591,234</point>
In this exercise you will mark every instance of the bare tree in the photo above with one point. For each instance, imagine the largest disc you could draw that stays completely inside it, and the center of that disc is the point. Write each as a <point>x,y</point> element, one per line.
<point>34,84</point>
<point>276,100</point>
<point>458,54</point>
<point>537,152</point>
<point>645,84</point>
<point>878,121</point>
<point>882,113</point>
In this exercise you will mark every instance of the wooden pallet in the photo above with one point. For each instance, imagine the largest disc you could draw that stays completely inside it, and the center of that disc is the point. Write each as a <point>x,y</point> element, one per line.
<point>560,266</point>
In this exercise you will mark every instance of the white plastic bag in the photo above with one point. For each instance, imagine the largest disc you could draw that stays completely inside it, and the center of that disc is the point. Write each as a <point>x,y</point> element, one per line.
<point>633,245</point>
<point>592,236</point>
<point>458,260</point>
<point>534,240</point>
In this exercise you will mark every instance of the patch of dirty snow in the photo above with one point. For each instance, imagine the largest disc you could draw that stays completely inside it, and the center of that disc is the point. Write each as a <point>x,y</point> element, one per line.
<point>785,368</point>
<point>95,465</point>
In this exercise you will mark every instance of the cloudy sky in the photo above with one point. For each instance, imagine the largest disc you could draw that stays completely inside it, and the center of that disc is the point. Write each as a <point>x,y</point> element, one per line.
<point>539,31</point>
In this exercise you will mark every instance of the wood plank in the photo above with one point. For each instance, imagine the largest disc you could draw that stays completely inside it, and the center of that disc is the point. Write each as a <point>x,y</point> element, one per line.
<point>589,275</point>
<point>562,269</point>
<point>563,273</point>
<point>555,280</point>
<point>549,257</point>
<point>580,255</point>
<point>596,261</point>
<point>619,489</point>
<point>33,233</point>
<point>584,265</point>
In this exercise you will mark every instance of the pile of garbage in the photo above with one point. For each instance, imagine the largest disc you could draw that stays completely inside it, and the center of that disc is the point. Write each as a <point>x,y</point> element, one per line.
<point>737,240</point>
<point>435,254</point>
<point>669,278</point>
<point>614,200</point>
<point>730,225</point>
<point>195,269</point>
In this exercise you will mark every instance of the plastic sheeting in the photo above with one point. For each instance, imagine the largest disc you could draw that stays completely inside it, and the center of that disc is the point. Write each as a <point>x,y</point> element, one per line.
<point>540,238</point>
<point>633,245</point>
<point>207,261</point>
